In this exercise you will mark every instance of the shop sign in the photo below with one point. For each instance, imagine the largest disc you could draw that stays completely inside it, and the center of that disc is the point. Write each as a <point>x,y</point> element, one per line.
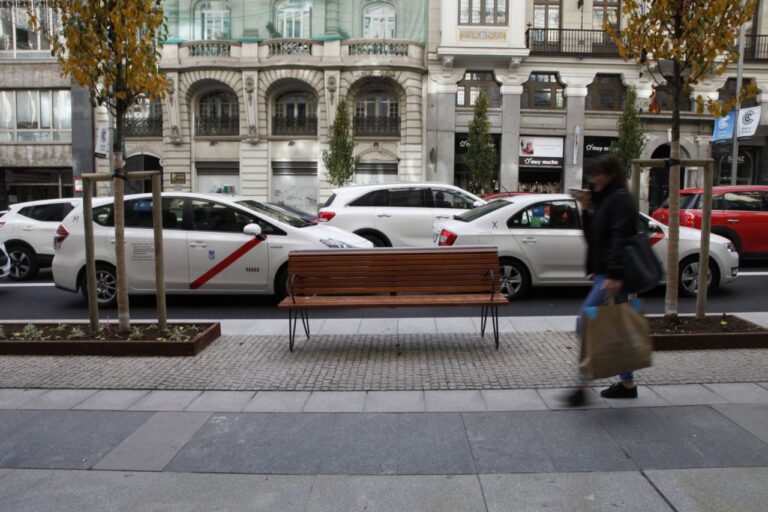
<point>102,141</point>
<point>544,152</point>
<point>596,146</point>
<point>749,118</point>
<point>724,127</point>
<point>178,178</point>
<point>78,185</point>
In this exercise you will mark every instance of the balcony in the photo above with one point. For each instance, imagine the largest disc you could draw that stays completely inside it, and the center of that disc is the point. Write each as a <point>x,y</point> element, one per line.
<point>557,41</point>
<point>281,47</point>
<point>375,126</point>
<point>210,48</point>
<point>217,126</point>
<point>377,47</point>
<point>144,127</point>
<point>756,48</point>
<point>383,51</point>
<point>294,126</point>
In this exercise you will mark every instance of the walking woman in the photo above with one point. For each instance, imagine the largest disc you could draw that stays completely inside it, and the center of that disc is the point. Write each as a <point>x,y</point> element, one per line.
<point>609,218</point>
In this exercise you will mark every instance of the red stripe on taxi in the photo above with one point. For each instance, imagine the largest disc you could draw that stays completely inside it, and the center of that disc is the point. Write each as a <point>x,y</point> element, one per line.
<point>223,264</point>
<point>656,238</point>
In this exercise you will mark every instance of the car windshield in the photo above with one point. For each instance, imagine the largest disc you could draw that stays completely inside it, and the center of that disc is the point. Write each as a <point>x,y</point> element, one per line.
<point>483,210</point>
<point>274,213</point>
<point>687,202</point>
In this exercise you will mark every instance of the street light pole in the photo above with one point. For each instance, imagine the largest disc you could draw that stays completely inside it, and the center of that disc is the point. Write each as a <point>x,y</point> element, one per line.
<point>735,156</point>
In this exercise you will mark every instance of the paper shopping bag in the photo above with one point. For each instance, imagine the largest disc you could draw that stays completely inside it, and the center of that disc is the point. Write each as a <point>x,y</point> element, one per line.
<point>616,338</point>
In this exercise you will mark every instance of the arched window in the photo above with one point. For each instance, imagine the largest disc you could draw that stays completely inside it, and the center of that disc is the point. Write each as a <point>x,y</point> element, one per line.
<point>606,92</point>
<point>218,113</point>
<point>144,119</point>
<point>293,18</point>
<point>295,113</point>
<point>728,92</point>
<point>543,90</point>
<point>379,21</point>
<point>213,20</point>
<point>377,113</point>
<point>474,83</point>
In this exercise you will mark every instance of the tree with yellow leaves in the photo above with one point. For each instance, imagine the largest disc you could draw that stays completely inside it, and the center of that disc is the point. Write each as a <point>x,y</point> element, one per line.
<point>111,47</point>
<point>680,42</point>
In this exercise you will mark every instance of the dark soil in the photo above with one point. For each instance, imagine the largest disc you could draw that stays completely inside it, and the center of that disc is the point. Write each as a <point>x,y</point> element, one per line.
<point>710,325</point>
<point>107,332</point>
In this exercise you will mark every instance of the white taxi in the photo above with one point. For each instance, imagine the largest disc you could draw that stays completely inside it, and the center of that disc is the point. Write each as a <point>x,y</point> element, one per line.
<point>541,243</point>
<point>213,244</point>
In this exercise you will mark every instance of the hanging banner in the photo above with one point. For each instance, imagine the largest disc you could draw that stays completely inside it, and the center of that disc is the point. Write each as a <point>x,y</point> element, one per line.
<point>102,141</point>
<point>749,118</point>
<point>541,152</point>
<point>724,127</point>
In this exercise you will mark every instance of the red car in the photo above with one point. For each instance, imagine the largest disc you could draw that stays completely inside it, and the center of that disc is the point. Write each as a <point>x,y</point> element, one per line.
<point>739,213</point>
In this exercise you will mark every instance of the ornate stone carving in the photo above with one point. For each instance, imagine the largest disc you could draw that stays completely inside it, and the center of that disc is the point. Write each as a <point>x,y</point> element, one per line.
<point>331,86</point>
<point>253,134</point>
<point>171,89</point>
<point>250,87</point>
<point>175,135</point>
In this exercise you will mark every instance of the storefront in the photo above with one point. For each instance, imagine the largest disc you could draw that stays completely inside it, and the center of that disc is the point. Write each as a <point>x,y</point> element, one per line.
<point>462,176</point>
<point>18,185</point>
<point>747,170</point>
<point>541,164</point>
<point>295,184</point>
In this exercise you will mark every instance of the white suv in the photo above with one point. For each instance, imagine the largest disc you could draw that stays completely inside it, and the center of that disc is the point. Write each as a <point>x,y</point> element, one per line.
<point>5,263</point>
<point>27,230</point>
<point>395,214</point>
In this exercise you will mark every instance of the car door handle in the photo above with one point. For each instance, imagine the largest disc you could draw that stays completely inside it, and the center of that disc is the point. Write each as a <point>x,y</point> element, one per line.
<point>733,221</point>
<point>529,240</point>
<point>275,246</point>
<point>383,215</point>
<point>198,244</point>
<point>443,216</point>
<point>28,228</point>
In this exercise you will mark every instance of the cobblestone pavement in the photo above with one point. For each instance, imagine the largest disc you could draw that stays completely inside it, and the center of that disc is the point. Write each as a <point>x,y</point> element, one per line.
<point>367,362</point>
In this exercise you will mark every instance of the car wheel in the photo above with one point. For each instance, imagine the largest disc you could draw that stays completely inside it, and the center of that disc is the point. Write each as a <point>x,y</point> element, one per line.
<point>106,286</point>
<point>514,279</point>
<point>376,240</point>
<point>689,276</point>
<point>281,283</point>
<point>23,263</point>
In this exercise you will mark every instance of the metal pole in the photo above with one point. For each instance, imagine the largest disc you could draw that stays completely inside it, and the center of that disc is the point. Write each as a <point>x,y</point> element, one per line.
<point>157,223</point>
<point>739,68</point>
<point>706,226</point>
<point>90,258</point>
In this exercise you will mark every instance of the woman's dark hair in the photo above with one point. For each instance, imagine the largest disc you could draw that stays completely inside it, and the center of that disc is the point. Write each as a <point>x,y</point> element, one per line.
<point>607,164</point>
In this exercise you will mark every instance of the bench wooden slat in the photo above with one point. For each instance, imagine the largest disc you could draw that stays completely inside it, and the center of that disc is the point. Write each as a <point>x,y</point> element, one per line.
<point>359,301</point>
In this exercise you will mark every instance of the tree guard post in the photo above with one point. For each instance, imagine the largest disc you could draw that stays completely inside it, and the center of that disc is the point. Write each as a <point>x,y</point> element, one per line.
<point>157,224</point>
<point>706,226</point>
<point>90,258</point>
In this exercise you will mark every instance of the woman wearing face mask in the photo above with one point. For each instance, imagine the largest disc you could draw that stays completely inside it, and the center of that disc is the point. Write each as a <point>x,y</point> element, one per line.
<point>609,218</point>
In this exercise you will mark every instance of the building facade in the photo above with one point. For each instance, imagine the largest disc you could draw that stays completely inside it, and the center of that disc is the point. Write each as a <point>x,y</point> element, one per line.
<point>556,87</point>
<point>253,87</point>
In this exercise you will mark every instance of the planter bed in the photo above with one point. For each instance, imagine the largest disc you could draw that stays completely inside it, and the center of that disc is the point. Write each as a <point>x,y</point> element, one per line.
<point>714,332</point>
<point>106,342</point>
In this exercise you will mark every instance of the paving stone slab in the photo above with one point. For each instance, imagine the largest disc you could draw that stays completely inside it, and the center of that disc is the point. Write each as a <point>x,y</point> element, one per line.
<point>13,398</point>
<point>396,494</point>
<point>220,401</point>
<point>397,444</point>
<point>395,401</point>
<point>449,325</point>
<point>714,490</point>
<point>62,439</point>
<point>275,326</point>
<point>165,401</point>
<point>335,401</point>
<point>277,401</point>
<point>58,399</point>
<point>154,444</point>
<point>336,326</point>
<point>646,397</point>
<point>72,491</point>
<point>513,400</point>
<point>753,418</point>
<point>555,398</point>
<point>179,492</point>
<point>111,400</point>
<point>411,325</point>
<point>688,394</point>
<point>257,443</point>
<point>378,326</point>
<point>741,393</point>
<point>454,401</point>
<point>682,437</point>
<point>574,492</point>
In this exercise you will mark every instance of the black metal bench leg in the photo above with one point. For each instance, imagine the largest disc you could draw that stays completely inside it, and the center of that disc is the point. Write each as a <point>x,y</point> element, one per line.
<point>483,320</point>
<point>305,321</point>
<point>496,326</point>
<point>291,328</point>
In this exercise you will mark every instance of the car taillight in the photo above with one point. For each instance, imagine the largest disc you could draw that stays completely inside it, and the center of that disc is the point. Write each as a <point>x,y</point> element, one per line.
<point>59,236</point>
<point>687,219</point>
<point>325,216</point>
<point>447,238</point>
<point>2,224</point>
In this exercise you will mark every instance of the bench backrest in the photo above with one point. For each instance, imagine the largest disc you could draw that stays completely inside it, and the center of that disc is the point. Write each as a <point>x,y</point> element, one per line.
<point>387,270</point>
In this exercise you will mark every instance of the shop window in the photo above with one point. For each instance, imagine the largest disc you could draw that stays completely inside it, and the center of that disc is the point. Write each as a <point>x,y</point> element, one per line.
<point>218,113</point>
<point>728,92</point>
<point>369,173</point>
<point>15,33</point>
<point>293,18</point>
<point>543,91</point>
<point>35,116</point>
<point>606,92</point>
<point>213,20</point>
<point>218,177</point>
<point>144,118</point>
<point>379,21</point>
<point>295,113</point>
<point>483,12</point>
<point>295,184</point>
<point>475,83</point>
<point>377,113</point>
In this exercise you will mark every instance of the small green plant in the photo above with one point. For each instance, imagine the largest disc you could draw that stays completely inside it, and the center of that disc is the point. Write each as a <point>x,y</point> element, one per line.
<point>76,333</point>
<point>137,333</point>
<point>31,332</point>
<point>177,333</point>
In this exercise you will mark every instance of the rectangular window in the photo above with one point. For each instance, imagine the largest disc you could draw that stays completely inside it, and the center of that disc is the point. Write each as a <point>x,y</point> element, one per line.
<point>35,116</point>
<point>483,12</point>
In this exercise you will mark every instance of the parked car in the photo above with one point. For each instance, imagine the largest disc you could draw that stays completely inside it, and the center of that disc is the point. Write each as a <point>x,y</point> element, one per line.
<point>395,214</point>
<point>27,231</point>
<point>212,244</point>
<point>739,213</point>
<point>309,217</point>
<point>498,195</point>
<point>5,262</point>
<point>541,243</point>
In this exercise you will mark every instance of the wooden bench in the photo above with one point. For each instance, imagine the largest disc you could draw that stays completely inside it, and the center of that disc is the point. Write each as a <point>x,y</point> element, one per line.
<point>393,278</point>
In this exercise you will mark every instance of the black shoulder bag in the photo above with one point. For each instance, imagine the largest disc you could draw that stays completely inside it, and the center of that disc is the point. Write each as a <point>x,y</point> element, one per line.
<point>642,269</point>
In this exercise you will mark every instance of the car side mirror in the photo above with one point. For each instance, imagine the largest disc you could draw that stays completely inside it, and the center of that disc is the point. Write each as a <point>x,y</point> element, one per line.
<point>654,227</point>
<point>477,203</point>
<point>253,230</point>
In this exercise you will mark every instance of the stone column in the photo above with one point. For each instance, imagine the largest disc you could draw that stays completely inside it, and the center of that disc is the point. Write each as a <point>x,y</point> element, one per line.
<point>510,136</point>
<point>332,17</point>
<point>574,138</point>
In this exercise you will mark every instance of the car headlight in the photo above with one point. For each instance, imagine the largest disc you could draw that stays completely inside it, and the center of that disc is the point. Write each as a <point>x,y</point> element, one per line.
<point>335,244</point>
<point>730,247</point>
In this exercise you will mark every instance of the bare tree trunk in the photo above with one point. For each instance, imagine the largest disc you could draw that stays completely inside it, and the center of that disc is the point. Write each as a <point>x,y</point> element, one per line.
<point>90,258</point>
<point>706,226</point>
<point>673,244</point>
